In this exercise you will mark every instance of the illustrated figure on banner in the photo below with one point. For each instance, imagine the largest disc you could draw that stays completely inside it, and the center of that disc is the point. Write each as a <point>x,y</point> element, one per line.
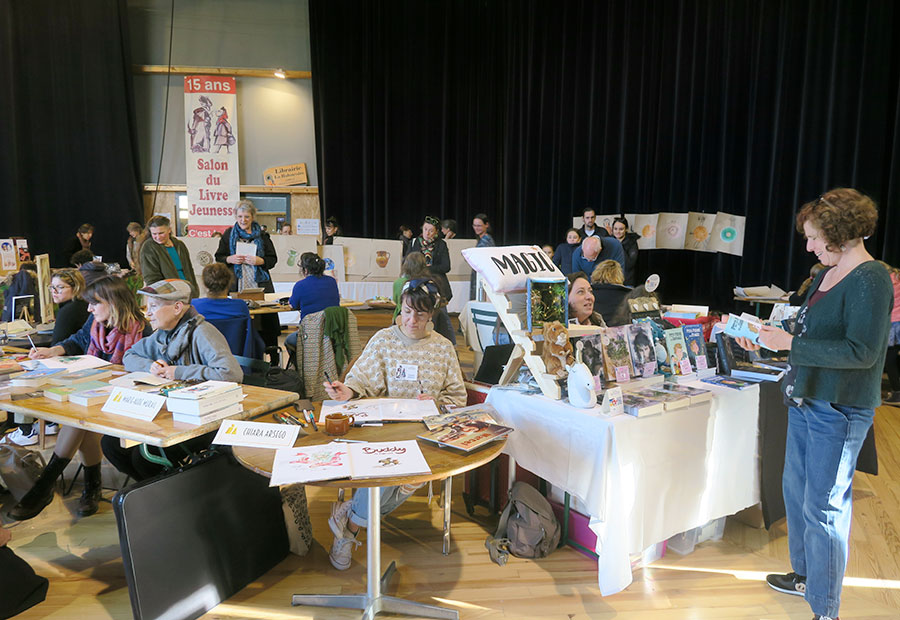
<point>202,120</point>
<point>224,136</point>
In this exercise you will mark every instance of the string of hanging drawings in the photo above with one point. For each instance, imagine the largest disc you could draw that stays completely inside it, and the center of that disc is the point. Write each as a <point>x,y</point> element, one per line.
<point>702,232</point>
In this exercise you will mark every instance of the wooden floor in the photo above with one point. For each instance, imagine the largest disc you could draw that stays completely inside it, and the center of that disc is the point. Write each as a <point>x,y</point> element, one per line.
<point>719,580</point>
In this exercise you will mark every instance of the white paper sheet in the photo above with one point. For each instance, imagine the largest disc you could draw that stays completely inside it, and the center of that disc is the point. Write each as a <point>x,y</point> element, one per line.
<point>670,230</point>
<point>728,234</point>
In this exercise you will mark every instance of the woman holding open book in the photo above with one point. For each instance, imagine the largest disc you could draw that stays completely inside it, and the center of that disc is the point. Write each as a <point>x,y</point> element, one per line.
<point>836,354</point>
<point>114,325</point>
<point>408,360</point>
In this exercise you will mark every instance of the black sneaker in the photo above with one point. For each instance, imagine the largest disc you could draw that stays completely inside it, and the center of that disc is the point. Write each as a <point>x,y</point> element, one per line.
<point>892,399</point>
<point>791,583</point>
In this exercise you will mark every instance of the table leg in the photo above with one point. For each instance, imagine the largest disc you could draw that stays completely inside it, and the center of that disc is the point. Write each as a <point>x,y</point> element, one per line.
<point>373,601</point>
<point>448,482</point>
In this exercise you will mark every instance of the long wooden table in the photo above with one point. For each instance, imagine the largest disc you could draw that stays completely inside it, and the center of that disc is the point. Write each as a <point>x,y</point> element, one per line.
<point>162,431</point>
<point>444,464</point>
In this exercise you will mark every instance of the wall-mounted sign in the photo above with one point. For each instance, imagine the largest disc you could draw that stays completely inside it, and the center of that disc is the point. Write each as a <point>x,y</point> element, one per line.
<point>291,174</point>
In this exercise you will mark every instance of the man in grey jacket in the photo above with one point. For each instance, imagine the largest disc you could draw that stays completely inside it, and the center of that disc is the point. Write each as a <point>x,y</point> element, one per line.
<point>184,346</point>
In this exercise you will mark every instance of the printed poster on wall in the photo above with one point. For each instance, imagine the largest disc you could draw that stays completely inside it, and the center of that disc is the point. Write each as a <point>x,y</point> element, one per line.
<point>211,153</point>
<point>699,229</point>
<point>728,234</point>
<point>670,230</point>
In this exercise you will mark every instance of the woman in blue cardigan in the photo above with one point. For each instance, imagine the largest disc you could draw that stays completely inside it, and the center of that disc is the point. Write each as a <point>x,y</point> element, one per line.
<point>837,352</point>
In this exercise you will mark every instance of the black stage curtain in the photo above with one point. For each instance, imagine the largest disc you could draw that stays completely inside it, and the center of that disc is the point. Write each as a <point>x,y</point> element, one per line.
<point>530,111</point>
<point>67,128</point>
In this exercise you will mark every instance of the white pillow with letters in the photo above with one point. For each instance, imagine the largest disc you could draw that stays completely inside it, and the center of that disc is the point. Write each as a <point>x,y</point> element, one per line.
<point>507,268</point>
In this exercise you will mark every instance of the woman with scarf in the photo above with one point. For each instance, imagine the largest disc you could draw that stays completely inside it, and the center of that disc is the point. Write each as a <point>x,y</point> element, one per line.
<point>115,325</point>
<point>184,346</point>
<point>251,271</point>
<point>437,256</point>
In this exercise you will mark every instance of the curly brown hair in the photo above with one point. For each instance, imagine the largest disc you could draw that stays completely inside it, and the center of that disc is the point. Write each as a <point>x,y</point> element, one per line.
<point>217,277</point>
<point>841,214</point>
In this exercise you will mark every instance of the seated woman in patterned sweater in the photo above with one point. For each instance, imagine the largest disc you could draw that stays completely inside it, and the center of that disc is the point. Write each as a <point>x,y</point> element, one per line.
<point>429,368</point>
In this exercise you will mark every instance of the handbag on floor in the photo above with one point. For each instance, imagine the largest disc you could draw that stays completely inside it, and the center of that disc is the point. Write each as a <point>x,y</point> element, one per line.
<point>21,587</point>
<point>19,468</point>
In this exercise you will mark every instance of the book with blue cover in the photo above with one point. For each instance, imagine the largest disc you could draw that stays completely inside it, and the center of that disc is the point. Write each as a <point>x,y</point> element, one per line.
<point>693,340</point>
<point>744,326</point>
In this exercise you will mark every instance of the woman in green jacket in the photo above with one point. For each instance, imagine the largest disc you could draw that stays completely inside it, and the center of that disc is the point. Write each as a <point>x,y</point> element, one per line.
<point>836,355</point>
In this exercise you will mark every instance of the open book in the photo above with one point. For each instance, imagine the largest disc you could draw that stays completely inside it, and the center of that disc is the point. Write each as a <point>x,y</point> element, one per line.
<point>375,410</point>
<point>337,460</point>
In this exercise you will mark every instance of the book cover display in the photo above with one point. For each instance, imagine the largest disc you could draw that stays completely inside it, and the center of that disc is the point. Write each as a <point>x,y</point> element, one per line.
<point>466,434</point>
<point>592,356</point>
<point>676,348</point>
<point>643,354</point>
<point>693,339</point>
<point>547,301</point>
<point>616,354</point>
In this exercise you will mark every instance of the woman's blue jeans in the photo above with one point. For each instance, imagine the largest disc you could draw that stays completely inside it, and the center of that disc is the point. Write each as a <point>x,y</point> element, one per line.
<point>823,441</point>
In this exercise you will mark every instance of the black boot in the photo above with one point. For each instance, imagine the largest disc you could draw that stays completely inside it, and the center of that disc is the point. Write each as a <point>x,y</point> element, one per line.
<point>90,496</point>
<point>41,493</point>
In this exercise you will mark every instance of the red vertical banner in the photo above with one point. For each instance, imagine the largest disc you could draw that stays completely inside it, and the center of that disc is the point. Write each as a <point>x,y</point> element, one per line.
<point>211,153</point>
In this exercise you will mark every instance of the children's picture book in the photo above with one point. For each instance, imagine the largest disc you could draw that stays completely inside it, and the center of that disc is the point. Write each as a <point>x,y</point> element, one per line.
<point>336,460</point>
<point>547,301</point>
<point>640,406</point>
<point>36,378</point>
<point>693,340</point>
<point>466,435</point>
<point>616,354</point>
<point>729,382</point>
<point>643,354</point>
<point>80,376</point>
<point>481,412</point>
<point>658,327</point>
<point>61,393</point>
<point>205,389</point>
<point>676,348</point>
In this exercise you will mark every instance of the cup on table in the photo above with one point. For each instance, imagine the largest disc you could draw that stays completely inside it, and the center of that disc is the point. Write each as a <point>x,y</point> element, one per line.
<point>338,423</point>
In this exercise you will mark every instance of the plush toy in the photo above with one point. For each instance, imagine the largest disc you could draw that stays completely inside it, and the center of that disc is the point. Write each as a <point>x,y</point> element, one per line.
<point>557,350</point>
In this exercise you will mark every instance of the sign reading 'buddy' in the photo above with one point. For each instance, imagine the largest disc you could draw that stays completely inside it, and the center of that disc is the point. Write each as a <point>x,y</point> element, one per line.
<point>507,269</point>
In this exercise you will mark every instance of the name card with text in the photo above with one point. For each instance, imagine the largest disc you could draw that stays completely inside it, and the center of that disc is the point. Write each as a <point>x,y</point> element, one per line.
<point>134,404</point>
<point>256,434</point>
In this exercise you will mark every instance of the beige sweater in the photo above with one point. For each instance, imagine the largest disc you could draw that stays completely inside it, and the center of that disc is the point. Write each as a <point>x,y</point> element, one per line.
<point>375,373</point>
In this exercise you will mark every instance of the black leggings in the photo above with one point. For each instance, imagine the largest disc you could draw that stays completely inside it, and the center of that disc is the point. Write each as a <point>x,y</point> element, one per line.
<point>892,367</point>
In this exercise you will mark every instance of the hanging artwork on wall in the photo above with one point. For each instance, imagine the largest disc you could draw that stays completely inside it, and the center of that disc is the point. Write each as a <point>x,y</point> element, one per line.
<point>728,234</point>
<point>699,230</point>
<point>645,225</point>
<point>670,230</point>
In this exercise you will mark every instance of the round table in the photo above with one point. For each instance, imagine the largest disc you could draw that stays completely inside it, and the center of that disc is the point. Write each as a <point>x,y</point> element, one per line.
<point>444,463</point>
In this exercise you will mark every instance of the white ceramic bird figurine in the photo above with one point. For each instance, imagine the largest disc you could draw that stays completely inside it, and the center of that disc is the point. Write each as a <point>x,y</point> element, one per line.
<point>580,382</point>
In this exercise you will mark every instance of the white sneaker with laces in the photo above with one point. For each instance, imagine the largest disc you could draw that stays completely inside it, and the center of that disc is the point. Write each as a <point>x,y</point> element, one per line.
<point>22,439</point>
<point>340,512</point>
<point>342,550</point>
<point>51,428</point>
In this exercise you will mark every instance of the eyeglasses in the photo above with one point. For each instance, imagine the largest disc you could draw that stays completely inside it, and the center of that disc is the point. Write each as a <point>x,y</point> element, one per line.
<point>59,289</point>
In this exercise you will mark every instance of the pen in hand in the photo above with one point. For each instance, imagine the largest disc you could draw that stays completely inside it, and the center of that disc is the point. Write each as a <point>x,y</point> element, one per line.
<point>33,348</point>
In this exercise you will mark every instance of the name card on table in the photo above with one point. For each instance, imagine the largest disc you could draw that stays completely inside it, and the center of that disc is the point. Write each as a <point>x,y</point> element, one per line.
<point>685,366</point>
<point>613,403</point>
<point>134,404</point>
<point>256,434</point>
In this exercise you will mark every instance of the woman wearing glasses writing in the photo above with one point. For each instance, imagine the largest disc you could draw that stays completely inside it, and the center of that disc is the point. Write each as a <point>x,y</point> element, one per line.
<point>836,355</point>
<point>407,360</point>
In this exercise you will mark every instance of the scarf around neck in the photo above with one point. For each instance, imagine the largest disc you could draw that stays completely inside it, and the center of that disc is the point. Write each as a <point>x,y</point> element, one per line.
<point>427,249</point>
<point>110,343</point>
<point>254,236</point>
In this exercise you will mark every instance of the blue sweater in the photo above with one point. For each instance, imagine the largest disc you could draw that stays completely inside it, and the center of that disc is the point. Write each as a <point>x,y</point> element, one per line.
<point>214,309</point>
<point>315,293</point>
<point>611,250</point>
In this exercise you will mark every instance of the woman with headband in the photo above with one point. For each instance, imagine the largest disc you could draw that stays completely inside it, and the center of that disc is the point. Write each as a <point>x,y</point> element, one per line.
<point>407,360</point>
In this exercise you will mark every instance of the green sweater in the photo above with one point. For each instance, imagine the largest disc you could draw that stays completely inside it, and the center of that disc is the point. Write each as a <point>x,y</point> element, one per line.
<point>840,356</point>
<point>156,264</point>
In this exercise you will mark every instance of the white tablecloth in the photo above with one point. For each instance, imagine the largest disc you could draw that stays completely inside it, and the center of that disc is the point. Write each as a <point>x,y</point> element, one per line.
<point>642,480</point>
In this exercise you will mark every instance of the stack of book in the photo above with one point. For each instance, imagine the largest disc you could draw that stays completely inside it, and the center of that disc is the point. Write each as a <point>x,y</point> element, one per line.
<point>205,402</point>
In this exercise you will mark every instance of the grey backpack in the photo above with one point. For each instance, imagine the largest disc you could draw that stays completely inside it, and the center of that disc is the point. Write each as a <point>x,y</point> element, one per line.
<point>527,529</point>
